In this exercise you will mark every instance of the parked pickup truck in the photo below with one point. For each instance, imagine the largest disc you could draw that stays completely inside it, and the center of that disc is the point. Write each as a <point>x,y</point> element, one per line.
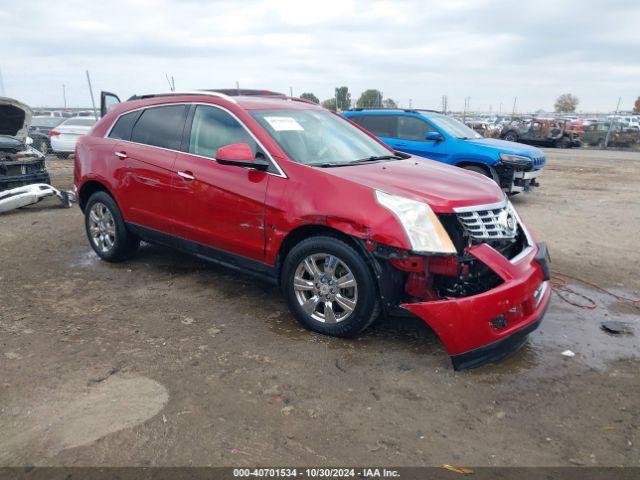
<point>513,166</point>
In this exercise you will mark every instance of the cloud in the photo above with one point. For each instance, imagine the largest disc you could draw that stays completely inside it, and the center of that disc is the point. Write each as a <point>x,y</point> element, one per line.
<point>489,50</point>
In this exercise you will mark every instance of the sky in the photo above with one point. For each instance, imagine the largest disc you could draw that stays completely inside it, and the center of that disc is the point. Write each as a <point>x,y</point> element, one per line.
<point>413,51</point>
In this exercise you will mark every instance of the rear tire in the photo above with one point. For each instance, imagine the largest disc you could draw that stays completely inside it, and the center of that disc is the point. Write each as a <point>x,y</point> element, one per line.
<point>511,137</point>
<point>329,287</point>
<point>106,230</point>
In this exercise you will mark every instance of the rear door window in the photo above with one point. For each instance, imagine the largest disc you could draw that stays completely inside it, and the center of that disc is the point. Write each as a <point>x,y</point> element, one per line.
<point>213,128</point>
<point>379,125</point>
<point>123,126</point>
<point>413,128</point>
<point>160,127</point>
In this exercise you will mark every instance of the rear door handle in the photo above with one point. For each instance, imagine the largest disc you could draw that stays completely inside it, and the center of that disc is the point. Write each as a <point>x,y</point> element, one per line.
<point>121,155</point>
<point>400,144</point>
<point>187,175</point>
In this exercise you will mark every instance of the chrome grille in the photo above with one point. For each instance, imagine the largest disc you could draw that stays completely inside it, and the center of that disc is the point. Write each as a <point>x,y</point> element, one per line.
<point>489,223</point>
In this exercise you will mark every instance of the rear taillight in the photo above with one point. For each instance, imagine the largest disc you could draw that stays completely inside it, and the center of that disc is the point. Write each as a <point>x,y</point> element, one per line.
<point>54,133</point>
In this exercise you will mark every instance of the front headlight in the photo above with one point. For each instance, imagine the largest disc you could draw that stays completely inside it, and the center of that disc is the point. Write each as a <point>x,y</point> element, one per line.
<point>515,160</point>
<point>424,231</point>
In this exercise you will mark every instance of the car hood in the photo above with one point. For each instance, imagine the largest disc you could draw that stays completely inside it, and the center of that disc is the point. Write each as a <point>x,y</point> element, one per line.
<point>441,186</point>
<point>15,118</point>
<point>502,146</point>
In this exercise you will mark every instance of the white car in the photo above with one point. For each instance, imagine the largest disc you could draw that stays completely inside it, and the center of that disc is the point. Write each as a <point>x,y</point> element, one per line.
<point>65,135</point>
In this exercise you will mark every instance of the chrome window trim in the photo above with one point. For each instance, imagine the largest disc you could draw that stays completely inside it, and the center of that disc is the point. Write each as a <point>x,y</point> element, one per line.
<point>280,173</point>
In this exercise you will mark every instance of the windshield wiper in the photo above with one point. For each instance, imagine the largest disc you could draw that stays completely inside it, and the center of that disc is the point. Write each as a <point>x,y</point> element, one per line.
<point>360,160</point>
<point>376,159</point>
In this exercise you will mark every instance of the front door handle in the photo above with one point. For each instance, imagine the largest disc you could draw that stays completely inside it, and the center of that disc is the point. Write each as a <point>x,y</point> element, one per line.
<point>400,144</point>
<point>187,175</point>
<point>121,155</point>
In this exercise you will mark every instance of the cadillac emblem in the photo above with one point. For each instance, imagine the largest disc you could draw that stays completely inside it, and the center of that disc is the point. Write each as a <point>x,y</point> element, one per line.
<point>507,222</point>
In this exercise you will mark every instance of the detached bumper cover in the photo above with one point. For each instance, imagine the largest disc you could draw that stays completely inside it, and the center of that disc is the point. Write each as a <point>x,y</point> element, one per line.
<point>467,326</point>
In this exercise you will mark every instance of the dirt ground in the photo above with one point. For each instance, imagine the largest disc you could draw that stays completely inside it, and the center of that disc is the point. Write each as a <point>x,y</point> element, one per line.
<point>166,360</point>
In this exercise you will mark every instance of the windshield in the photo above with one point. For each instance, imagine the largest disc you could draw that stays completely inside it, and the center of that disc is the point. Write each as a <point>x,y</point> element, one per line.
<point>453,127</point>
<point>317,137</point>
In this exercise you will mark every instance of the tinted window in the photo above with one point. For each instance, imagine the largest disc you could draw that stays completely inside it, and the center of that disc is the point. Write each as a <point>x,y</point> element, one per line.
<point>160,127</point>
<point>412,128</point>
<point>81,121</point>
<point>122,129</point>
<point>379,125</point>
<point>213,128</point>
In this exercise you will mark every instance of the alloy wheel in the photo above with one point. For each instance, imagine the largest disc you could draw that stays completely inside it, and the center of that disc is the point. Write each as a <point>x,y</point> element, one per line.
<point>325,288</point>
<point>102,227</point>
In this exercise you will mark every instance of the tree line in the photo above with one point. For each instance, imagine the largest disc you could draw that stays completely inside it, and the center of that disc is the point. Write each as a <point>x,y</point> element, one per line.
<point>371,98</point>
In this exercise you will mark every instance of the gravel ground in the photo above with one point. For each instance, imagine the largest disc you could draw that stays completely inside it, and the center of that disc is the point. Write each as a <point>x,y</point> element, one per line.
<point>166,360</point>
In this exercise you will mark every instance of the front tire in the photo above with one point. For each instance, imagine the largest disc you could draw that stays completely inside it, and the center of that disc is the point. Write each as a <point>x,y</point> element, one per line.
<point>329,287</point>
<point>106,230</point>
<point>477,169</point>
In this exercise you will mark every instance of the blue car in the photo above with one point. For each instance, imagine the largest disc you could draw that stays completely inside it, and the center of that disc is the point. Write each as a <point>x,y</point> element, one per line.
<point>514,166</point>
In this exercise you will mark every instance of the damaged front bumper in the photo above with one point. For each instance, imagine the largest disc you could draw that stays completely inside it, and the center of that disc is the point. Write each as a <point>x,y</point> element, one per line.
<point>487,327</point>
<point>514,180</point>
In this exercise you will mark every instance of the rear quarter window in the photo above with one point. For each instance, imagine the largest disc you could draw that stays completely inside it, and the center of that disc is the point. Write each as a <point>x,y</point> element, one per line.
<point>160,127</point>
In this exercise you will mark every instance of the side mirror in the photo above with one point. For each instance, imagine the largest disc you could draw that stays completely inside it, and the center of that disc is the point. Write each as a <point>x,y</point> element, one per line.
<point>434,137</point>
<point>240,155</point>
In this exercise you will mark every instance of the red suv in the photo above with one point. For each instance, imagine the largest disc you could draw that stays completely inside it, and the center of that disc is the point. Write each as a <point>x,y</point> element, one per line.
<point>300,196</point>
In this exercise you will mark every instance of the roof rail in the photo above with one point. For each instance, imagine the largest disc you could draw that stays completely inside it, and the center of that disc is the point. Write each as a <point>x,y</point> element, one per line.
<point>303,100</point>
<point>408,110</point>
<point>186,92</point>
<point>359,109</point>
<point>246,92</point>
<point>397,109</point>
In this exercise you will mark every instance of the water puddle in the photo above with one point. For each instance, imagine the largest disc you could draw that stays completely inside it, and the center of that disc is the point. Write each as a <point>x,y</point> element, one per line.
<point>565,327</point>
